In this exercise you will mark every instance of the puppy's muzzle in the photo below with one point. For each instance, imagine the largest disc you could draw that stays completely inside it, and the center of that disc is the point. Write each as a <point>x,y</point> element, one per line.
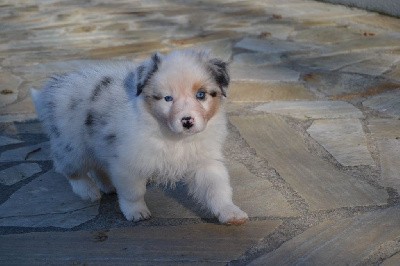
<point>187,122</point>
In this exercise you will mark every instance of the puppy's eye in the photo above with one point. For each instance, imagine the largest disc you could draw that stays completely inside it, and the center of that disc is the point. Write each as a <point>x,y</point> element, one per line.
<point>168,98</point>
<point>200,95</point>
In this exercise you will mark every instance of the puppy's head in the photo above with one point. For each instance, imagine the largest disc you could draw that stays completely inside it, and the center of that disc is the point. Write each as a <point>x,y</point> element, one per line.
<point>184,90</point>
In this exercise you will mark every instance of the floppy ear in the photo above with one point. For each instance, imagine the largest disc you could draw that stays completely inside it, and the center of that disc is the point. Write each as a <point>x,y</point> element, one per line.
<point>138,79</point>
<point>219,71</point>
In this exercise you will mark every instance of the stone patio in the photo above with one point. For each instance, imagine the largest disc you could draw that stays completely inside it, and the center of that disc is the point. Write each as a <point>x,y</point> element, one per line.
<point>313,147</point>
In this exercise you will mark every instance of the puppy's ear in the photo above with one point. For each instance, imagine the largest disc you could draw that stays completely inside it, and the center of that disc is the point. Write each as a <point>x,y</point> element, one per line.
<point>219,71</point>
<point>146,71</point>
<point>138,79</point>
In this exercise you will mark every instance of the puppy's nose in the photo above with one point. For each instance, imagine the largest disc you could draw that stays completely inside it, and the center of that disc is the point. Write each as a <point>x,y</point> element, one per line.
<point>187,122</point>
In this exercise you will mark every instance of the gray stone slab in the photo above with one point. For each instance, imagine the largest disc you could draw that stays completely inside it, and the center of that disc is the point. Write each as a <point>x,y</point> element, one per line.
<point>346,242</point>
<point>256,59</point>
<point>14,174</point>
<point>311,109</point>
<point>268,91</point>
<point>375,66</point>
<point>392,261</point>
<point>7,141</point>
<point>387,103</point>
<point>389,155</point>
<point>46,201</point>
<point>332,62</point>
<point>187,244</point>
<point>256,196</point>
<point>321,185</point>
<point>38,152</point>
<point>263,73</point>
<point>269,46</point>
<point>384,128</point>
<point>344,139</point>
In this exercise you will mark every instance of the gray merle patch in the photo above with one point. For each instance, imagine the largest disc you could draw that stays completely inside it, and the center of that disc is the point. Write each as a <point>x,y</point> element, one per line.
<point>103,84</point>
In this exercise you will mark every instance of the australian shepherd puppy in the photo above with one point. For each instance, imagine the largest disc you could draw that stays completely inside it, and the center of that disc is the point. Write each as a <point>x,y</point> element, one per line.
<point>115,126</point>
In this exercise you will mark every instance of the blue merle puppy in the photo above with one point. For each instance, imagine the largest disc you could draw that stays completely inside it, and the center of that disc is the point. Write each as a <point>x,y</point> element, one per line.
<point>115,126</point>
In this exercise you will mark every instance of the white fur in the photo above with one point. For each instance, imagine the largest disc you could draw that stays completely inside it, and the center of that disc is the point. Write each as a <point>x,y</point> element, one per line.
<point>124,140</point>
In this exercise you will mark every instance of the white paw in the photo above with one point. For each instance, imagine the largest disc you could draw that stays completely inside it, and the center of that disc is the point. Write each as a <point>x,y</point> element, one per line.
<point>232,214</point>
<point>134,211</point>
<point>85,188</point>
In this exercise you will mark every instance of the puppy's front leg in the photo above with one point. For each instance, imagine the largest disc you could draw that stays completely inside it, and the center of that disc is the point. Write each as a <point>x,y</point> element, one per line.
<point>130,190</point>
<point>210,186</point>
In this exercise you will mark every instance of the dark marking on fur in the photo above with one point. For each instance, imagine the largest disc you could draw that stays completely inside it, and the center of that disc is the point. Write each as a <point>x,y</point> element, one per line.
<point>68,148</point>
<point>54,131</point>
<point>140,71</point>
<point>89,119</point>
<point>103,84</point>
<point>110,138</point>
<point>213,94</point>
<point>74,103</point>
<point>51,105</point>
<point>219,70</point>
<point>153,69</point>
<point>157,97</point>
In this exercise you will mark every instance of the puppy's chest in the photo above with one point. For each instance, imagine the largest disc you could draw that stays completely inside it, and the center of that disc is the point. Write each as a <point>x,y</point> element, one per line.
<point>175,159</point>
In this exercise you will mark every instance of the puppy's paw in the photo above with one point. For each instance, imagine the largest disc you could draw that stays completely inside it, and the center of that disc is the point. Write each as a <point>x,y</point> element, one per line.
<point>232,215</point>
<point>134,211</point>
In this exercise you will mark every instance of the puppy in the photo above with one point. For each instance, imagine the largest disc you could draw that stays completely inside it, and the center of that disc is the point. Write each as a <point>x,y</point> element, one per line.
<point>116,126</point>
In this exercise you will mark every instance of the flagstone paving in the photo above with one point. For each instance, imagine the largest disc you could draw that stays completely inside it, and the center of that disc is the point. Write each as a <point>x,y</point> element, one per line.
<point>313,146</point>
<point>344,139</point>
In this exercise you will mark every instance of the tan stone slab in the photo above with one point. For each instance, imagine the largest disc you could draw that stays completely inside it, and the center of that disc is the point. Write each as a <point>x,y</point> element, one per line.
<point>264,91</point>
<point>325,35</point>
<point>318,182</point>
<point>8,88</point>
<point>264,74</point>
<point>374,43</point>
<point>344,139</point>
<point>256,196</point>
<point>345,242</point>
<point>384,128</point>
<point>198,243</point>
<point>18,111</point>
<point>389,154</point>
<point>312,109</point>
<point>119,50</point>
<point>269,46</point>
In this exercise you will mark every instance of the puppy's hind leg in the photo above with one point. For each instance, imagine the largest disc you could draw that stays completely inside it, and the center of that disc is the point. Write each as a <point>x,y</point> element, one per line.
<point>85,187</point>
<point>102,180</point>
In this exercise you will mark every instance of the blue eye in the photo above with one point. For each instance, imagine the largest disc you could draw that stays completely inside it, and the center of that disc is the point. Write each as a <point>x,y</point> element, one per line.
<point>168,98</point>
<point>201,95</point>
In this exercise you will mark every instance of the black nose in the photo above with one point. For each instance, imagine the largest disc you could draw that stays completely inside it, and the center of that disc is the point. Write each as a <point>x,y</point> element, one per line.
<point>187,122</point>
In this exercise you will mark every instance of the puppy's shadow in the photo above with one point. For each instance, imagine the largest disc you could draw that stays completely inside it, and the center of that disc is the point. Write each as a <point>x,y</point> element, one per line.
<point>181,195</point>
